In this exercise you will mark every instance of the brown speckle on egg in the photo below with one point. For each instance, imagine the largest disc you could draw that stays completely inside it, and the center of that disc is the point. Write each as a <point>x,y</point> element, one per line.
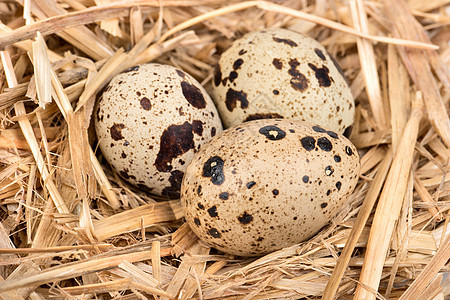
<point>277,63</point>
<point>250,184</point>
<point>193,95</point>
<point>145,103</point>
<point>174,141</point>
<point>213,168</point>
<point>214,233</point>
<point>212,211</point>
<point>285,41</point>
<point>324,144</point>
<point>233,96</point>
<point>238,63</point>
<point>321,75</point>
<point>308,142</point>
<point>319,53</point>
<point>116,131</point>
<point>245,218</point>
<point>272,133</point>
<point>298,81</point>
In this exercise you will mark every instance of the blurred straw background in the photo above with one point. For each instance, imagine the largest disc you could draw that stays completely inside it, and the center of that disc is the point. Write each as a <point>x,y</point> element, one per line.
<point>72,229</point>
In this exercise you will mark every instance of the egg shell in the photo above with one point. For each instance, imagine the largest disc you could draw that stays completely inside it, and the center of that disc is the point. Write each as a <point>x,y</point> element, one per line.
<point>150,120</point>
<point>279,73</point>
<point>267,184</point>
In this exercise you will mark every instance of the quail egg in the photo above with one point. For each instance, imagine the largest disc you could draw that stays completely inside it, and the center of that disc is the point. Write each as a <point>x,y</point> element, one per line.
<point>267,184</point>
<point>279,73</point>
<point>150,121</point>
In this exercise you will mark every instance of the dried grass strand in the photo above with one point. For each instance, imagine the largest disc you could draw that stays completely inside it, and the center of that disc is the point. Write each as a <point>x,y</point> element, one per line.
<point>272,7</point>
<point>358,227</point>
<point>389,206</point>
<point>426,276</point>
<point>368,63</point>
<point>418,65</point>
<point>78,269</point>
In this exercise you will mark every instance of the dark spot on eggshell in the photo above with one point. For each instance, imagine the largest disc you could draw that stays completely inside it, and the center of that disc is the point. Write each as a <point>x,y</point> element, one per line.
<point>259,116</point>
<point>197,221</point>
<point>212,211</point>
<point>348,150</point>
<point>237,63</point>
<point>276,92</point>
<point>308,142</point>
<point>285,41</point>
<point>348,131</point>
<point>329,170</point>
<point>233,96</point>
<point>214,233</point>
<point>337,158</point>
<point>272,133</point>
<point>175,179</point>
<point>245,218</point>
<point>124,174</point>
<point>174,141</point>
<point>145,103</point>
<point>305,179</point>
<point>134,68</point>
<point>323,205</point>
<point>250,184</point>
<point>338,185</point>
<point>201,206</point>
<point>242,51</point>
<point>328,192</point>
<point>217,75</point>
<point>123,155</point>
<point>193,95</point>
<point>319,53</point>
<point>233,75</point>
<point>275,192</point>
<point>277,63</point>
<point>213,168</point>
<point>126,143</point>
<point>213,131</point>
<point>324,144</point>
<point>299,82</point>
<point>224,195</point>
<point>332,134</point>
<point>197,127</point>
<point>318,129</point>
<point>181,74</point>
<point>199,190</point>
<point>321,75</point>
<point>116,131</point>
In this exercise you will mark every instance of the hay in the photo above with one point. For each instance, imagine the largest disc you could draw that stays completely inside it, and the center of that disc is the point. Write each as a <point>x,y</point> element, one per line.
<point>71,228</point>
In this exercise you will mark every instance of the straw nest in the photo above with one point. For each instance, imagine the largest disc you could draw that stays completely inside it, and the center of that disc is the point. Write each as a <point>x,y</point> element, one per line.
<point>71,228</point>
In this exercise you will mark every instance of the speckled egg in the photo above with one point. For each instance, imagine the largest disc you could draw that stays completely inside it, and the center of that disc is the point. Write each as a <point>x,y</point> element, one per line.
<point>279,73</point>
<point>267,184</point>
<point>150,121</point>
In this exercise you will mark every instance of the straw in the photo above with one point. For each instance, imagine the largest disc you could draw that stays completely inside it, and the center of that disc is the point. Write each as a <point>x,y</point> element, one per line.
<point>72,228</point>
<point>389,205</point>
